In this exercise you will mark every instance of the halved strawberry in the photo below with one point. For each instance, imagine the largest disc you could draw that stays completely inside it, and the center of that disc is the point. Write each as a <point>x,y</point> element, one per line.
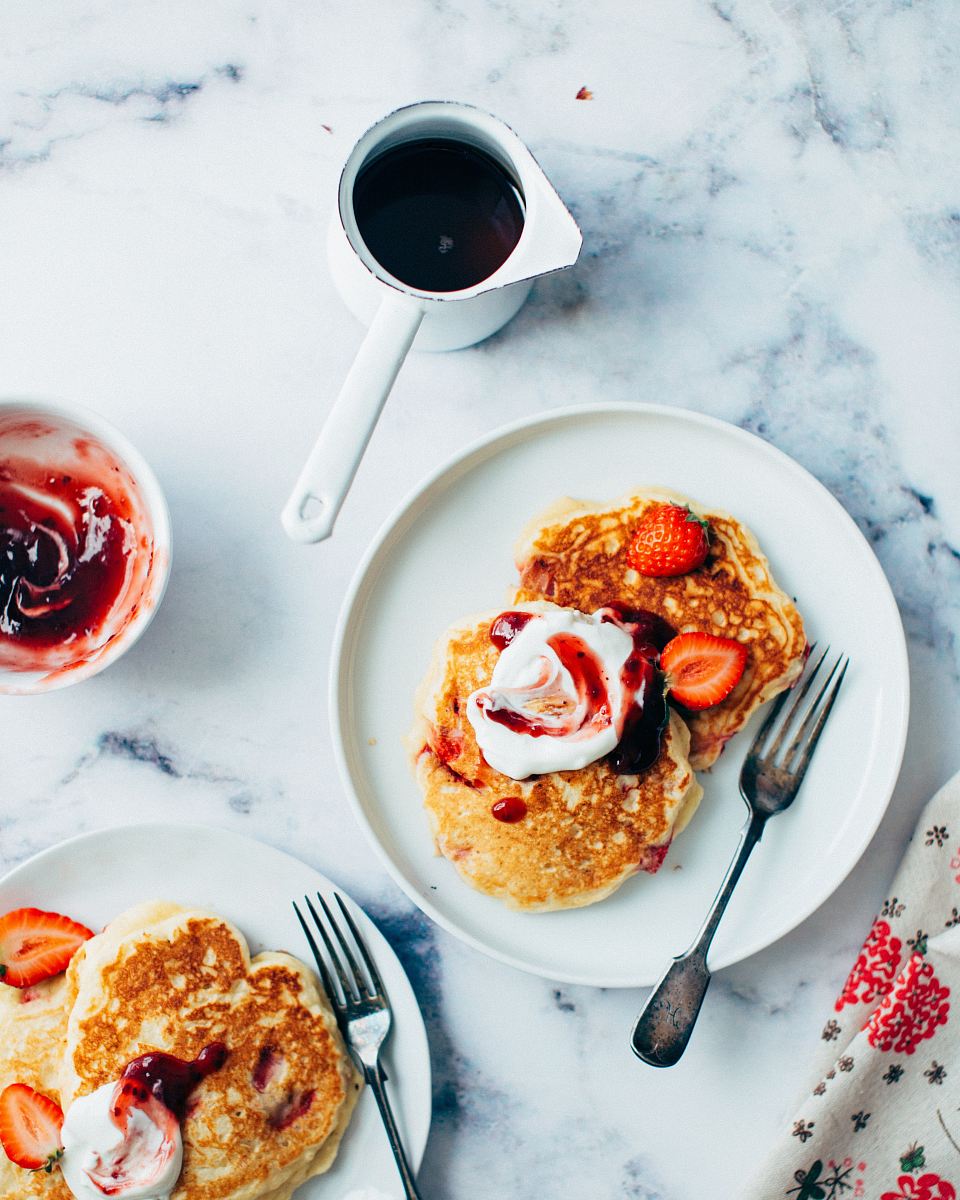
<point>35,945</point>
<point>669,539</point>
<point>702,669</point>
<point>30,1128</point>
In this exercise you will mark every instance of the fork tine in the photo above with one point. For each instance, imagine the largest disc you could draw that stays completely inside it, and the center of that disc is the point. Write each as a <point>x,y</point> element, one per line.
<point>318,958</point>
<point>768,720</point>
<point>801,768</point>
<point>795,708</point>
<point>809,717</point>
<point>359,982</point>
<point>362,947</point>
<point>772,713</point>
<point>331,950</point>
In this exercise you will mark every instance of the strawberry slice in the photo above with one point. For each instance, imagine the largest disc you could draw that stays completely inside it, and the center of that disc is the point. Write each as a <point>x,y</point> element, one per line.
<point>30,1128</point>
<point>702,669</point>
<point>35,945</point>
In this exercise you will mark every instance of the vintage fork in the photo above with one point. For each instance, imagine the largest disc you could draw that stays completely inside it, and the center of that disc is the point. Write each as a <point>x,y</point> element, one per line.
<point>363,1012</point>
<point>768,786</point>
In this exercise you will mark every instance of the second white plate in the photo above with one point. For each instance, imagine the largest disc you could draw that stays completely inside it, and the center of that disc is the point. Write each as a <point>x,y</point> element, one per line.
<point>94,877</point>
<point>448,553</point>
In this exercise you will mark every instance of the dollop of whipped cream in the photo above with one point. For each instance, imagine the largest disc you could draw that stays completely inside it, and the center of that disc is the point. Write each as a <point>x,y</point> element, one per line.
<point>111,1149</point>
<point>556,700</point>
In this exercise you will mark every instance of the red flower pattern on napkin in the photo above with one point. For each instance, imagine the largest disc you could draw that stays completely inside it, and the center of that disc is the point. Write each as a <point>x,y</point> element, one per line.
<point>875,969</point>
<point>911,1012</point>
<point>926,1187</point>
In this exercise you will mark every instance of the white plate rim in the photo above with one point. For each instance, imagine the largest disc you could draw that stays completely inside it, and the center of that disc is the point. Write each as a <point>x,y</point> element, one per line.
<point>419,1122</point>
<point>897,658</point>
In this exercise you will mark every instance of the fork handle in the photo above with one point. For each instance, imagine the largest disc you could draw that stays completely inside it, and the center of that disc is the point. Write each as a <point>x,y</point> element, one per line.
<point>666,1021</point>
<point>376,1081</point>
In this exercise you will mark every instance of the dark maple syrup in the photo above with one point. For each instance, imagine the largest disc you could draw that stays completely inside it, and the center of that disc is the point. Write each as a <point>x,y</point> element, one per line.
<point>438,214</point>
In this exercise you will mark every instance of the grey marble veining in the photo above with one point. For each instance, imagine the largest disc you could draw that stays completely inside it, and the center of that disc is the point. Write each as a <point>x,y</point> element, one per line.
<point>770,199</point>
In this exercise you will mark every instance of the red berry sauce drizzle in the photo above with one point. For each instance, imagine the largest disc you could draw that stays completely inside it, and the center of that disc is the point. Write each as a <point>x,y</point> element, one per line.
<point>639,745</point>
<point>588,679</point>
<point>170,1079</point>
<point>506,627</point>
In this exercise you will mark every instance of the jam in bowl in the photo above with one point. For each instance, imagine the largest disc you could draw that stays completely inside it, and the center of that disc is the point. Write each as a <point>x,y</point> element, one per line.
<point>84,545</point>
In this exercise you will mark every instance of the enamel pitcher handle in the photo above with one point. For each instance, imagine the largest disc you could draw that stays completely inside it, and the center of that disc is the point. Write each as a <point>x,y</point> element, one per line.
<point>318,495</point>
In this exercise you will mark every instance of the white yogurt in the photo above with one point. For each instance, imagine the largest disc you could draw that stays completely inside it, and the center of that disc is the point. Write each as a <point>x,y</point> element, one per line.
<point>141,1162</point>
<point>539,686</point>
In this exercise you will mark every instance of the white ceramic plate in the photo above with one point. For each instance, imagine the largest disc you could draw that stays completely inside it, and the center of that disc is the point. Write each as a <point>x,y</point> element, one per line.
<point>94,877</point>
<point>448,553</point>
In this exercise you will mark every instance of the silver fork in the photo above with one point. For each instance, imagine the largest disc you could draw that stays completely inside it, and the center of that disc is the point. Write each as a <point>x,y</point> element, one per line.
<point>363,1012</point>
<point>768,786</point>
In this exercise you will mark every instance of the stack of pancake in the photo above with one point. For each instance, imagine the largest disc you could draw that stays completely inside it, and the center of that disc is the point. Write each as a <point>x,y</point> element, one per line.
<point>166,978</point>
<point>587,831</point>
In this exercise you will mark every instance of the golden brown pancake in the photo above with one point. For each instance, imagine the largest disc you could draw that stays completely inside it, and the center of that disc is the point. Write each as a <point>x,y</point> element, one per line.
<point>177,980</point>
<point>575,555</point>
<point>33,1025</point>
<point>584,831</point>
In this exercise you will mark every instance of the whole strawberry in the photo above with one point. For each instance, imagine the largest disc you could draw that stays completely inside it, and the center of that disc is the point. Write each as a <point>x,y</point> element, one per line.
<point>669,540</point>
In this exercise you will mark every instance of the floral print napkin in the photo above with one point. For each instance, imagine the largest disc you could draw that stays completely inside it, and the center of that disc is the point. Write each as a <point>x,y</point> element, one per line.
<point>882,1119</point>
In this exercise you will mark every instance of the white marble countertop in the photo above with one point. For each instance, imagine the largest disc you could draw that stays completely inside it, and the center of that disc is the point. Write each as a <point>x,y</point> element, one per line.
<point>770,199</point>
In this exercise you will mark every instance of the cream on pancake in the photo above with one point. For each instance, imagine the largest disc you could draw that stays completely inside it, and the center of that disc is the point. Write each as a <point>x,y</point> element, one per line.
<point>583,833</point>
<point>176,980</point>
<point>575,554</point>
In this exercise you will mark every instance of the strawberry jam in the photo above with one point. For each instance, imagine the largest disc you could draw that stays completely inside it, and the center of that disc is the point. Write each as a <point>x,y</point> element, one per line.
<point>649,631</point>
<point>646,719</point>
<point>588,680</point>
<point>510,810</point>
<point>506,627</point>
<point>65,547</point>
<point>171,1079</point>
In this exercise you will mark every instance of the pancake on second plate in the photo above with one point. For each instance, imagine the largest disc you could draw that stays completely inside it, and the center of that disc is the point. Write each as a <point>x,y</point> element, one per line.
<point>583,832</point>
<point>33,1027</point>
<point>177,980</point>
<point>575,554</point>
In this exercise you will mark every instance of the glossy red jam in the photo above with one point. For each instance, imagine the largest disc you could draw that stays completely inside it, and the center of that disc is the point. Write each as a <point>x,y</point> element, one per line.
<point>646,719</point>
<point>588,679</point>
<point>506,627</point>
<point>646,628</point>
<point>171,1079</point>
<point>65,546</point>
<point>510,809</point>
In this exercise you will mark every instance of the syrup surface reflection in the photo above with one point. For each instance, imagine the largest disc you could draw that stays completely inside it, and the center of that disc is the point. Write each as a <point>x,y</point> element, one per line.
<point>439,215</point>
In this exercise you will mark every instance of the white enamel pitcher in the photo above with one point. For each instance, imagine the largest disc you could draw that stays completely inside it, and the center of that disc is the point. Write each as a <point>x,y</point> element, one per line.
<point>400,316</point>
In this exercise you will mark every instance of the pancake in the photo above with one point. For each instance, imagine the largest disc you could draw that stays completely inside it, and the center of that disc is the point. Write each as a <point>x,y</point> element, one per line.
<point>177,980</point>
<point>584,832</point>
<point>575,554</point>
<point>33,1024</point>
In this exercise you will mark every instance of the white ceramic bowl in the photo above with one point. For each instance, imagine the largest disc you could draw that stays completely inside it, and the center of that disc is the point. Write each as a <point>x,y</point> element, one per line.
<point>58,433</point>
